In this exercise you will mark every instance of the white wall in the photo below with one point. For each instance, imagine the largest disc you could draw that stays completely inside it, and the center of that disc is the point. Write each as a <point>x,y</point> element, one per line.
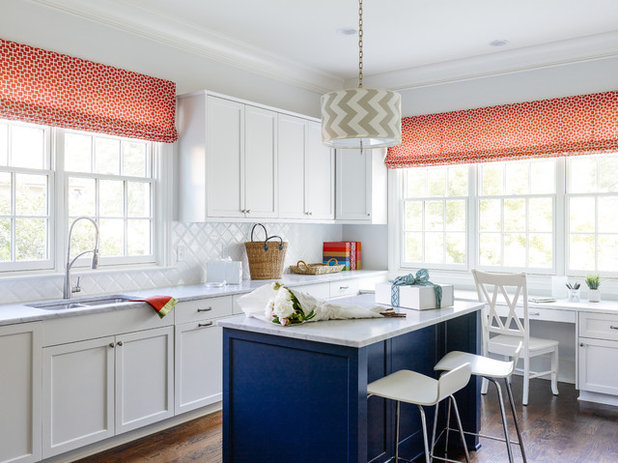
<point>374,254</point>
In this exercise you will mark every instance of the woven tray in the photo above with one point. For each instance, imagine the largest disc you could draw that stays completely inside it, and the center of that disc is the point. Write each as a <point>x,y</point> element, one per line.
<point>316,269</point>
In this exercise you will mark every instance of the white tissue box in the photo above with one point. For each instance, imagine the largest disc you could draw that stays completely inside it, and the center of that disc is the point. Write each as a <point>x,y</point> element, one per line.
<point>415,297</point>
<point>221,270</point>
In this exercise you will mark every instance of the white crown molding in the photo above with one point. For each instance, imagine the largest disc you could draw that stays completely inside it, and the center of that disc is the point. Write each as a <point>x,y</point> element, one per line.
<point>194,39</point>
<point>594,47</point>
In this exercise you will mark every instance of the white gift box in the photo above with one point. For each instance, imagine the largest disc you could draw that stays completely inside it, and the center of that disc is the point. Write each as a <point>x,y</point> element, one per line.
<point>415,296</point>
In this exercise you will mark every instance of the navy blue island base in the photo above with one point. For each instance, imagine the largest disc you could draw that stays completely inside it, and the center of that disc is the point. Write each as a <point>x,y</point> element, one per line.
<point>289,398</point>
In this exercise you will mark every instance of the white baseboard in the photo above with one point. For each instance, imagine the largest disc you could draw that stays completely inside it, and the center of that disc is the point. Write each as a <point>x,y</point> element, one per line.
<point>599,398</point>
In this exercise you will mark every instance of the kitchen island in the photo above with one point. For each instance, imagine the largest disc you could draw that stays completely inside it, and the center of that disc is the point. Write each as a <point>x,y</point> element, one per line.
<point>299,394</point>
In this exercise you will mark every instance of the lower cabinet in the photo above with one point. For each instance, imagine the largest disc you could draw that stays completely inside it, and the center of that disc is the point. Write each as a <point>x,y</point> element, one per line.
<point>199,365</point>
<point>20,380</point>
<point>97,388</point>
<point>597,360</point>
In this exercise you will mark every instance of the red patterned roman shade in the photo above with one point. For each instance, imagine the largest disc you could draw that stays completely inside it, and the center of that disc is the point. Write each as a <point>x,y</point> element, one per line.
<point>49,88</point>
<point>584,124</point>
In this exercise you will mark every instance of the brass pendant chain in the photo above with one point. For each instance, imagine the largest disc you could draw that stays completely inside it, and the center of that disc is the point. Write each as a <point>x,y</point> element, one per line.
<point>360,43</point>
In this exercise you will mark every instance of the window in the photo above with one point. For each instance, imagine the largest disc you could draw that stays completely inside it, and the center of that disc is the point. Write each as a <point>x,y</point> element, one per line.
<point>435,216</point>
<point>592,205</point>
<point>25,189</point>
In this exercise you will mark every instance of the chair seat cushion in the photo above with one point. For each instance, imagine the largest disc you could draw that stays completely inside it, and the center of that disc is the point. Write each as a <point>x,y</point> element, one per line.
<point>406,386</point>
<point>506,345</point>
<point>479,365</point>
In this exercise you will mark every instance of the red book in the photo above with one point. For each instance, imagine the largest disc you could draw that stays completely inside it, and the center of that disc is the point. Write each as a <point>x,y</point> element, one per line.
<point>352,255</point>
<point>358,255</point>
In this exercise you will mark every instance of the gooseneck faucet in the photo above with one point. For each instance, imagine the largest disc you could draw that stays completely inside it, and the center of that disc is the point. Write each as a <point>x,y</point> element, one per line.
<point>68,290</point>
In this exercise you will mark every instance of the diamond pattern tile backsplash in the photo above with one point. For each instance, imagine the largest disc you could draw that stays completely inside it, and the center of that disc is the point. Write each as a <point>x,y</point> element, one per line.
<point>201,242</point>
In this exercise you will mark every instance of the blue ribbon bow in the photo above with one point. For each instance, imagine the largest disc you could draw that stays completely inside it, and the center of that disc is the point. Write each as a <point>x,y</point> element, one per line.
<point>421,279</point>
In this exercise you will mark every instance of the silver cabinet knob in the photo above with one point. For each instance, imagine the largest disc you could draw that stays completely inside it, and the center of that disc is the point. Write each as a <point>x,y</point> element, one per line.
<point>111,344</point>
<point>119,343</point>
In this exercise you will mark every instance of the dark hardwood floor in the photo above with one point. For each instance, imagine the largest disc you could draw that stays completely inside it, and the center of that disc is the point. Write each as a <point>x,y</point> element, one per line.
<point>556,430</point>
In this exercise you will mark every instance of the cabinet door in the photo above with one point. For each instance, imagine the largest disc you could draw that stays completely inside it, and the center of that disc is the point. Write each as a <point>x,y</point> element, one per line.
<point>198,365</point>
<point>78,394</point>
<point>144,378</point>
<point>260,162</point>
<point>224,162</point>
<point>353,184</point>
<point>291,158</point>
<point>319,175</point>
<point>595,355</point>
<point>20,379</point>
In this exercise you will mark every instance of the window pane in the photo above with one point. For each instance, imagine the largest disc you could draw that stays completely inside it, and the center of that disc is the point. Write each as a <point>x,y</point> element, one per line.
<point>112,236</point>
<point>491,215</point>
<point>437,181</point>
<point>30,194</point>
<point>491,179</point>
<point>138,237</point>
<point>5,193</point>
<point>434,248</point>
<point>138,199</point>
<point>77,152</point>
<point>515,249</point>
<point>540,214</point>
<point>608,173</point>
<point>455,248</point>
<point>581,213</point>
<point>83,237</point>
<point>582,174</point>
<point>5,240</point>
<point>81,197</point>
<point>608,253</point>
<point>516,178</point>
<point>458,181</point>
<point>490,249</point>
<point>28,147</point>
<point>413,247</point>
<point>581,252</point>
<point>434,215</point>
<point>414,215</point>
<point>30,239</point>
<point>514,215</point>
<point>540,250</point>
<point>110,198</point>
<point>107,156</point>
<point>416,182</point>
<point>4,144</point>
<point>134,161</point>
<point>456,215</point>
<point>608,215</point>
<point>542,176</point>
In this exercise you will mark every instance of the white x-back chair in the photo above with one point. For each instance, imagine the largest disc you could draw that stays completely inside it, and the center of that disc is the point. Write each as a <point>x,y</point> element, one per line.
<point>503,337</point>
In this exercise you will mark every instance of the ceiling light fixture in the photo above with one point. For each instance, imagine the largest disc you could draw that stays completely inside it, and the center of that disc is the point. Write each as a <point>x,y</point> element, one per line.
<point>361,117</point>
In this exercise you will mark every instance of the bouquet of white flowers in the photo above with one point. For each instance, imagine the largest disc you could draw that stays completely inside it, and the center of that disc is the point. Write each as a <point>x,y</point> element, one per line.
<point>284,308</point>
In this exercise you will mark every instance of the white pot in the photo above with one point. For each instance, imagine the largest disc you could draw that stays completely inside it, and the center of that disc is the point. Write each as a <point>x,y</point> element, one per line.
<point>594,295</point>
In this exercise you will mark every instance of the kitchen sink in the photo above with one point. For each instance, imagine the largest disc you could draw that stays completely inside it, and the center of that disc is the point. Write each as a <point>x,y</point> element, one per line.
<point>66,304</point>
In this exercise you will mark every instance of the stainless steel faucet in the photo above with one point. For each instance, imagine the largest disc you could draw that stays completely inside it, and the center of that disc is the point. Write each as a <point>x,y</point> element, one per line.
<point>68,290</point>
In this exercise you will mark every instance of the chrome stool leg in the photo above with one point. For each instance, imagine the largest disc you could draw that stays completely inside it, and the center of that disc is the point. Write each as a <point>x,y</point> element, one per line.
<point>425,442</point>
<point>512,402</point>
<point>435,427</point>
<point>461,431</point>
<point>448,427</point>
<point>504,424</point>
<point>397,433</point>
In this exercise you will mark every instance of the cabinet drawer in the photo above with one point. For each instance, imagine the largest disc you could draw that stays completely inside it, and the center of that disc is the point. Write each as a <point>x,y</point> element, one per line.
<point>203,309</point>
<point>598,325</point>
<point>534,313</point>
<point>320,290</point>
<point>343,288</point>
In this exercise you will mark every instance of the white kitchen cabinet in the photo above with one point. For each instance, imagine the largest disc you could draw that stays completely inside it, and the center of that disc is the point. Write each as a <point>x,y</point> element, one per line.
<point>306,171</point>
<point>101,387</point>
<point>597,361</point>
<point>199,366</point>
<point>361,186</point>
<point>20,388</point>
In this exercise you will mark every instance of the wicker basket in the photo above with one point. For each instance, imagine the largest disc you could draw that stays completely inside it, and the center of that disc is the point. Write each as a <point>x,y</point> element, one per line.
<point>265,258</point>
<point>316,269</point>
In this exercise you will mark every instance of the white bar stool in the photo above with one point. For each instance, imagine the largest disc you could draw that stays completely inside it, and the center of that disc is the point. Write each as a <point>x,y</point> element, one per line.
<point>415,388</point>
<point>491,370</point>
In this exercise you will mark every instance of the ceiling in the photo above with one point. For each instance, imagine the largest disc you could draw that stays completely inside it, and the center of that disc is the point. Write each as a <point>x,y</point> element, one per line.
<point>407,43</point>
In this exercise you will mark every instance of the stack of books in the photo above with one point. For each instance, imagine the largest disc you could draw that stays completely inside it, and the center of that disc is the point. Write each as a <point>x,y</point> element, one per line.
<point>347,253</point>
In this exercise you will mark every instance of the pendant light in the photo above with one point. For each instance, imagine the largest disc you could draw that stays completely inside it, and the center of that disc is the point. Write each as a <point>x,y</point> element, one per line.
<point>361,117</point>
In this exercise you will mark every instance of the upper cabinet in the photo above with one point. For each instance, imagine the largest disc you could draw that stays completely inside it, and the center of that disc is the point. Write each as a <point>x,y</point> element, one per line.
<point>239,161</point>
<point>361,186</point>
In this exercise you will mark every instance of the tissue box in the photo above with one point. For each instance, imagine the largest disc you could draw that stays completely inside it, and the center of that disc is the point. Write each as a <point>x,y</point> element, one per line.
<point>415,297</point>
<point>221,270</point>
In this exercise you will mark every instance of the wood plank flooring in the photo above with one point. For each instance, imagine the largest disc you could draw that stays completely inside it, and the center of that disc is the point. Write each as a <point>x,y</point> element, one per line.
<point>556,430</point>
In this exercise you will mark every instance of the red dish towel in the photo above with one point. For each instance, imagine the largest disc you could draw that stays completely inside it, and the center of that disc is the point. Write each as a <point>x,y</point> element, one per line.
<point>162,304</point>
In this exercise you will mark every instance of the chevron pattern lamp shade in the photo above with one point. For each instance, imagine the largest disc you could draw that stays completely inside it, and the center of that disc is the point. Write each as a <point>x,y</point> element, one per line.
<point>361,118</point>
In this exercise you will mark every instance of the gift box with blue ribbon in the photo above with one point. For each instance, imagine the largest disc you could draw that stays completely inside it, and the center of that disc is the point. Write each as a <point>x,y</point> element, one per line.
<point>414,292</point>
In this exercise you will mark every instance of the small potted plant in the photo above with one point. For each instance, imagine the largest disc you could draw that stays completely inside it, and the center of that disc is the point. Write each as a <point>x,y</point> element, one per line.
<point>593,282</point>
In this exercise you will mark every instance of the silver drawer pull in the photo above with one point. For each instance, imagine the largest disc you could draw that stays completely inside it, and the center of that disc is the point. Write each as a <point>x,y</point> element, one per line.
<point>612,327</point>
<point>535,314</point>
<point>207,309</point>
<point>344,287</point>
<point>204,325</point>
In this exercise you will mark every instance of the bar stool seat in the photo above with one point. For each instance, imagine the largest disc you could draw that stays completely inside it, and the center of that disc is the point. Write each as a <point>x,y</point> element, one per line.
<point>406,386</point>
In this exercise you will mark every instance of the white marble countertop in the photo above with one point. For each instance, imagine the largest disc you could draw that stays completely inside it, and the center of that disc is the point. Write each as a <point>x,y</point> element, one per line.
<point>22,313</point>
<point>354,333</point>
